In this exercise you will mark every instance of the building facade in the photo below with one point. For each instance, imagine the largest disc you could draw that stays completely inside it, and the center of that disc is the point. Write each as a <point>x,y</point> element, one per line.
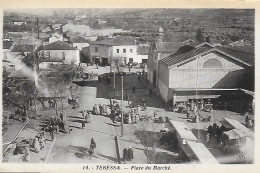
<point>205,70</point>
<point>158,51</point>
<point>121,48</point>
<point>58,52</point>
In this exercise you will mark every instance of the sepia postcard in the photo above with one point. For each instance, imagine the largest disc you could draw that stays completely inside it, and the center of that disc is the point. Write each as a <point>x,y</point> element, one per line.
<point>129,86</point>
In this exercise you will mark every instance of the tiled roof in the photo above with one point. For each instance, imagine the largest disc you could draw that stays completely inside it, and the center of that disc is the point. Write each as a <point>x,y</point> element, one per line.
<point>174,59</point>
<point>168,47</point>
<point>142,50</point>
<point>242,53</point>
<point>7,44</point>
<point>118,41</point>
<point>59,45</point>
<point>23,48</point>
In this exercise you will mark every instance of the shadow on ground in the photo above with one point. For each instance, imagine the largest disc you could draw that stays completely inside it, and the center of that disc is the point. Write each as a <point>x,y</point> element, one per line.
<point>81,152</point>
<point>200,134</point>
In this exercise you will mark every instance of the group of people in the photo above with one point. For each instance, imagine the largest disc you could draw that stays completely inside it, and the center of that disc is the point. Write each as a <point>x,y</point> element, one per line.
<point>128,154</point>
<point>142,76</point>
<point>115,111</point>
<point>99,109</point>
<point>216,132</point>
<point>38,143</point>
<point>133,115</point>
<point>87,117</point>
<point>58,123</point>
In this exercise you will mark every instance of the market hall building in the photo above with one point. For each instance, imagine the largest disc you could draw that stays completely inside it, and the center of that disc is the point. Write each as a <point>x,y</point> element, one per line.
<point>205,71</point>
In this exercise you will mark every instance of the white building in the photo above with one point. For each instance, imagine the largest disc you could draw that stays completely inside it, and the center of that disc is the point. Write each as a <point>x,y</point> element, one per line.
<point>57,37</point>
<point>79,42</point>
<point>58,52</point>
<point>19,23</point>
<point>122,48</point>
<point>203,72</point>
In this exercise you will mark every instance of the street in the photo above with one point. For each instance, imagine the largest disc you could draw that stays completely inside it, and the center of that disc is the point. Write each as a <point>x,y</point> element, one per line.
<point>73,147</point>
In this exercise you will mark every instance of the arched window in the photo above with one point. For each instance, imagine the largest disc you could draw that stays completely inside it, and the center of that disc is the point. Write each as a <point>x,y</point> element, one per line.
<point>212,63</point>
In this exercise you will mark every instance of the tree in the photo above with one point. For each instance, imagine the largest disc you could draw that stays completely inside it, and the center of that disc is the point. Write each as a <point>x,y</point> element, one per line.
<point>208,40</point>
<point>199,35</point>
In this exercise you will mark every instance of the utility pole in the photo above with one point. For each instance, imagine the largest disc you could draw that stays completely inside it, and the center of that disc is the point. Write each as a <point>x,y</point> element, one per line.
<point>122,119</point>
<point>117,150</point>
<point>38,32</point>
<point>114,80</point>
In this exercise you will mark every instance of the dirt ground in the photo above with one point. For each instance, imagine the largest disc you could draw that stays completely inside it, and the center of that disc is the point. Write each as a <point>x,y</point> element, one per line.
<point>73,147</point>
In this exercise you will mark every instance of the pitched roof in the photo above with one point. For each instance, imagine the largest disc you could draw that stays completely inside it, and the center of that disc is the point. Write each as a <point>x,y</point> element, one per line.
<point>243,53</point>
<point>7,44</point>
<point>177,58</point>
<point>56,25</point>
<point>117,41</point>
<point>59,45</point>
<point>27,41</point>
<point>23,48</point>
<point>79,39</point>
<point>142,50</point>
<point>15,34</point>
<point>53,59</point>
<point>168,47</point>
<point>18,74</point>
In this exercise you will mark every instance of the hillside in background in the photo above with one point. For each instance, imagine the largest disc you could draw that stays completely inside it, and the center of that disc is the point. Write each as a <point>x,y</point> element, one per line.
<point>221,25</point>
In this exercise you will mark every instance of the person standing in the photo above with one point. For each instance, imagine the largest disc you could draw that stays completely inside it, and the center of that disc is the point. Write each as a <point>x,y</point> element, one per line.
<point>207,139</point>
<point>125,156</point>
<point>144,104</point>
<point>92,147</point>
<point>27,155</point>
<point>42,142</point>
<point>192,105</point>
<point>61,116</point>
<point>83,122</point>
<point>129,67</point>
<point>195,110</point>
<point>130,153</point>
<point>139,77</point>
<point>36,145</point>
<point>143,73</point>
<point>138,110</point>
<point>247,118</point>
<point>52,132</point>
